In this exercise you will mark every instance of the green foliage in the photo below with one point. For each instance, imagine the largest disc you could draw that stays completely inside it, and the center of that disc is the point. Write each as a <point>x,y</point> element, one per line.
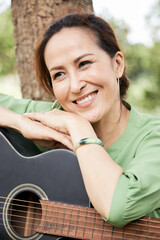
<point>152,94</point>
<point>142,62</point>
<point>7,52</point>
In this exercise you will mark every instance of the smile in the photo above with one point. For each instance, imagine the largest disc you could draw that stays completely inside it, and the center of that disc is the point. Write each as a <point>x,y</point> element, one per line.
<point>86,98</point>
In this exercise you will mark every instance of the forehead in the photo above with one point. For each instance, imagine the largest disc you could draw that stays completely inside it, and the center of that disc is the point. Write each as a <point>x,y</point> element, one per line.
<point>70,38</point>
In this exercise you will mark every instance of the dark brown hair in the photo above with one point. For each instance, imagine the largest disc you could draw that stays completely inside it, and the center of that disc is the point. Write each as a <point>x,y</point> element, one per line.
<point>105,36</point>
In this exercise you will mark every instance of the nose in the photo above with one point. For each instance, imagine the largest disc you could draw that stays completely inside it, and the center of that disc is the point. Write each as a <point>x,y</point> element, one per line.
<point>77,82</point>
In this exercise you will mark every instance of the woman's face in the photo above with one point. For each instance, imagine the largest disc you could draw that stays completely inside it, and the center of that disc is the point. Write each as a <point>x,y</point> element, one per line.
<point>84,77</point>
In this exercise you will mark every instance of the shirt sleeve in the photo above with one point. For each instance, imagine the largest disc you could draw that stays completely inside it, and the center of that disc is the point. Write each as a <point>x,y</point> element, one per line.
<point>21,106</point>
<point>137,193</point>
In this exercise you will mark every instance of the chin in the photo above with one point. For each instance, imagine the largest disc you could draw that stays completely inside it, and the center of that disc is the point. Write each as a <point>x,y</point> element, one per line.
<point>92,119</point>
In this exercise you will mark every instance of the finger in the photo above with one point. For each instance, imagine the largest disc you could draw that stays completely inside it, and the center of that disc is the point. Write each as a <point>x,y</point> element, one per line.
<point>62,138</point>
<point>38,131</point>
<point>50,134</point>
<point>50,119</point>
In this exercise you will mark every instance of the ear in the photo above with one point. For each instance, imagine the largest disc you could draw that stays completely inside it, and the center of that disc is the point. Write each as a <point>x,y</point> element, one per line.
<point>119,64</point>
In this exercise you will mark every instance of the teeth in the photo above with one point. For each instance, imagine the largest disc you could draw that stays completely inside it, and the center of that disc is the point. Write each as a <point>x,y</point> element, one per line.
<point>89,97</point>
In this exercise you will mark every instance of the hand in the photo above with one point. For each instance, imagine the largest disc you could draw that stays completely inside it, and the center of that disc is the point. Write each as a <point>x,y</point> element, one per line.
<point>43,135</point>
<point>64,124</point>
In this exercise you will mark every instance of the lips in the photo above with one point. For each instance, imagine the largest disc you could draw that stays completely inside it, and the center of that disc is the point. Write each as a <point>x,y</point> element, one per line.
<point>85,98</point>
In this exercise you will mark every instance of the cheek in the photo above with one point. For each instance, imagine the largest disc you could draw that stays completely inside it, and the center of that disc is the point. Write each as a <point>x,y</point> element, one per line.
<point>102,74</point>
<point>60,92</point>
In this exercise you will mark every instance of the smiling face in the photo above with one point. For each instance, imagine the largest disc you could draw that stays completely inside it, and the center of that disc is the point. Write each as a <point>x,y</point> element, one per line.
<point>84,77</point>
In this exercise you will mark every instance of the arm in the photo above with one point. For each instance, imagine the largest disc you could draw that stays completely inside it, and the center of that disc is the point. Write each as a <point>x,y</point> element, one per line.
<point>24,105</point>
<point>100,172</point>
<point>137,192</point>
<point>42,135</point>
<point>120,194</point>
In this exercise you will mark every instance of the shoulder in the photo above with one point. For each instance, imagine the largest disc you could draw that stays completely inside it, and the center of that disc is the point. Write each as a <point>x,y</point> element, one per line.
<point>147,122</point>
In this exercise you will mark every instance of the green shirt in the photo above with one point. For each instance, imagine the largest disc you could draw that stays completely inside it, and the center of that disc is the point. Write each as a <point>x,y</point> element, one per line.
<point>137,151</point>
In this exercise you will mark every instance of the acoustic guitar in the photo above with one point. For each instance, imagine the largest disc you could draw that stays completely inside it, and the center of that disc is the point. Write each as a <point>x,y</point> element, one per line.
<point>42,196</point>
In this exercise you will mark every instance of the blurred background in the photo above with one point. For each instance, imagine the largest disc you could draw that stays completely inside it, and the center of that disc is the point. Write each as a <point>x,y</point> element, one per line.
<point>137,26</point>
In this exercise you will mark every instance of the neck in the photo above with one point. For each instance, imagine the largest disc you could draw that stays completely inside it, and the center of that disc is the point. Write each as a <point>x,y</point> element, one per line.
<point>109,129</point>
<point>85,223</point>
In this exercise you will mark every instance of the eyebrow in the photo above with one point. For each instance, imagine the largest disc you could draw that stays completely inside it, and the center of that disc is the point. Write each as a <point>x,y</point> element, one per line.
<point>75,61</point>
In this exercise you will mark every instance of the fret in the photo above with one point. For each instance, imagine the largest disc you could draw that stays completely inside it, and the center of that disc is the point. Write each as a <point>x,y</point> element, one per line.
<point>79,231</point>
<point>102,231</point>
<point>98,224</point>
<point>112,233</point>
<point>61,222</point>
<point>134,230</point>
<point>129,233</point>
<point>83,229</point>
<point>148,227</point>
<point>107,231</point>
<point>76,227</point>
<point>123,233</point>
<point>69,226</point>
<point>70,217</point>
<point>63,228</point>
<point>55,218</point>
<point>154,227</point>
<point>89,223</point>
<point>117,233</point>
<point>45,214</point>
<point>51,215</point>
<point>93,228</point>
<point>73,221</point>
<point>85,220</point>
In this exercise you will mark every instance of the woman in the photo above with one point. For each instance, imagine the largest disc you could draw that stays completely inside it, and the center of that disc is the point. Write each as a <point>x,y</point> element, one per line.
<point>79,60</point>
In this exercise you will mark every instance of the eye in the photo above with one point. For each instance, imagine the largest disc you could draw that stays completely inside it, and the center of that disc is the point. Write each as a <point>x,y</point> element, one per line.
<point>84,63</point>
<point>58,75</point>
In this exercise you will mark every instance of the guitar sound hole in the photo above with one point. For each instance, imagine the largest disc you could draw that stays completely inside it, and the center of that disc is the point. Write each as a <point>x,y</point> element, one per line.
<point>25,213</point>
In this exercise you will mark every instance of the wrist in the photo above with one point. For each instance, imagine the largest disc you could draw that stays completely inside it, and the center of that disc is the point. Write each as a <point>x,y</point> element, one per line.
<point>79,129</point>
<point>9,118</point>
<point>16,122</point>
<point>85,141</point>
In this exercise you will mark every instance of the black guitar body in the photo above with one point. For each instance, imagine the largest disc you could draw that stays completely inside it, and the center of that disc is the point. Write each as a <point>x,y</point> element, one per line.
<point>54,175</point>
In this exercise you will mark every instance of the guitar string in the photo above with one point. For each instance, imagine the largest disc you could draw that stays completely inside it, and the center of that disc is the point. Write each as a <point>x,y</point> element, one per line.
<point>99,218</point>
<point>40,208</point>
<point>89,210</point>
<point>38,219</point>
<point>104,235</point>
<point>91,217</point>
<point>105,231</point>
<point>100,223</point>
<point>30,218</point>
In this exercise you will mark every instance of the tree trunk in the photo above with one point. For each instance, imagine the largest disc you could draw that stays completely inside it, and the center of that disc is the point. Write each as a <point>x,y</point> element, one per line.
<point>30,17</point>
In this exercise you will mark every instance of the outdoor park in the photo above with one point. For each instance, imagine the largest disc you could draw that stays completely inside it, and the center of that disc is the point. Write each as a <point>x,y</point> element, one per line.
<point>85,166</point>
<point>143,62</point>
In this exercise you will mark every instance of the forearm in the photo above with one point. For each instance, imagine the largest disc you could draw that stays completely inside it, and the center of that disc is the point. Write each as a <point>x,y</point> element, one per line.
<point>100,172</point>
<point>21,106</point>
<point>9,119</point>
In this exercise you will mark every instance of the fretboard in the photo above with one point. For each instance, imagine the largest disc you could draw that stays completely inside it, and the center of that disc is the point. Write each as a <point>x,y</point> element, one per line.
<point>85,223</point>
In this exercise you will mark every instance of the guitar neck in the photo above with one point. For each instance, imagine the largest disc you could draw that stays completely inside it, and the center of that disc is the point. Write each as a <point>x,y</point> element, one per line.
<point>85,223</point>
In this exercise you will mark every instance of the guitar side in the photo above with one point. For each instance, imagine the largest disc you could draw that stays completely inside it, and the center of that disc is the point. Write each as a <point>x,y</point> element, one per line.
<point>54,176</point>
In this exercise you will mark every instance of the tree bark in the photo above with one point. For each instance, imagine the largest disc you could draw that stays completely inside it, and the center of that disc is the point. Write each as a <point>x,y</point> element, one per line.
<point>30,17</point>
